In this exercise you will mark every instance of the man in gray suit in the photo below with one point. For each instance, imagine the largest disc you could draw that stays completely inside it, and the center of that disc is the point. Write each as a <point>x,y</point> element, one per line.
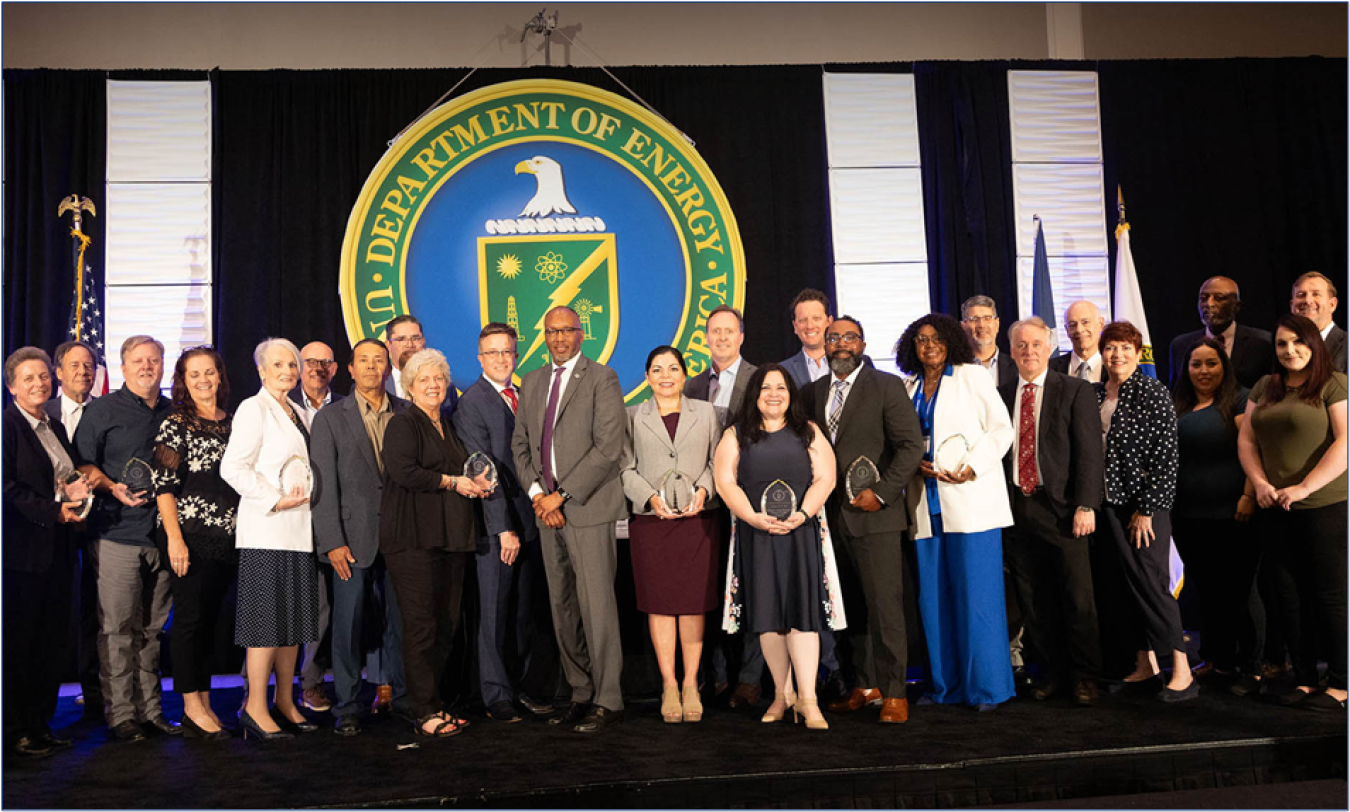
<point>1314,296</point>
<point>569,441</point>
<point>346,440</point>
<point>1083,323</point>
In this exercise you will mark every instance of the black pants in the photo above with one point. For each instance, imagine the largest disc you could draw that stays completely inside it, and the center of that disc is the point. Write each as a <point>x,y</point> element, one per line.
<point>1221,556</point>
<point>198,603</point>
<point>37,610</point>
<point>429,584</point>
<point>1307,550</point>
<point>1052,574</point>
<point>871,575</point>
<point>1156,618</point>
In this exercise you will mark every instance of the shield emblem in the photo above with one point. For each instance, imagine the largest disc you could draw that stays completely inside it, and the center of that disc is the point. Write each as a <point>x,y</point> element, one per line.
<point>522,277</point>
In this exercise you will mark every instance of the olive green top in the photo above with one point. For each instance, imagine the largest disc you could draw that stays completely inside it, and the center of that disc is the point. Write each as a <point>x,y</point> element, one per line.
<point>1293,435</point>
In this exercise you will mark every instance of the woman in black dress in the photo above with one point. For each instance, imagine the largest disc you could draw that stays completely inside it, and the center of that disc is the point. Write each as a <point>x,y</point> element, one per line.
<point>783,585</point>
<point>195,530</point>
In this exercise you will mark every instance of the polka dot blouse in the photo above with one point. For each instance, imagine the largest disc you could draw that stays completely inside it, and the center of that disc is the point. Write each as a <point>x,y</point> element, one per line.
<point>1141,447</point>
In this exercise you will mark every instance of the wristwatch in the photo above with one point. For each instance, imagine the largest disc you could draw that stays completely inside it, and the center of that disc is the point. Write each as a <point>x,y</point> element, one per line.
<point>1084,509</point>
<point>567,497</point>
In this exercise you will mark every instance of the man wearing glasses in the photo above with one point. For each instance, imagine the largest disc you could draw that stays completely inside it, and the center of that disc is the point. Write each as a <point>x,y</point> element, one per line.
<point>979,318</point>
<point>403,336</point>
<point>315,390</point>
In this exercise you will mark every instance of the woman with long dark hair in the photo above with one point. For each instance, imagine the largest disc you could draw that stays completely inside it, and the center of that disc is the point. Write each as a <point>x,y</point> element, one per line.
<point>1292,446</point>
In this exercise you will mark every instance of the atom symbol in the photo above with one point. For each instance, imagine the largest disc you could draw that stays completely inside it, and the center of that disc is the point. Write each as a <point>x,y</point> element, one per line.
<point>551,267</point>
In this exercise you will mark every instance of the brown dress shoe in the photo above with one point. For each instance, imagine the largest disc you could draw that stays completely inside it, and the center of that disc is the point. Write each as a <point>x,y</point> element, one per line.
<point>1085,693</point>
<point>895,710</point>
<point>857,698</point>
<point>384,699</point>
<point>745,694</point>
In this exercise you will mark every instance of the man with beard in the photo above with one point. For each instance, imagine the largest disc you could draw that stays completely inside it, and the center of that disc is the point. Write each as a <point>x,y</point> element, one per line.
<point>866,413</point>
<point>1313,296</point>
<point>979,318</point>
<point>1250,350</point>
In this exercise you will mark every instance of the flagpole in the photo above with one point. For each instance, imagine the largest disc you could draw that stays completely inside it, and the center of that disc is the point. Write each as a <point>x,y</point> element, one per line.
<point>79,242</point>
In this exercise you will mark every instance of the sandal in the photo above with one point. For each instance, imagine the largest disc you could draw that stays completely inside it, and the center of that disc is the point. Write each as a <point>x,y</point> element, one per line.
<point>448,726</point>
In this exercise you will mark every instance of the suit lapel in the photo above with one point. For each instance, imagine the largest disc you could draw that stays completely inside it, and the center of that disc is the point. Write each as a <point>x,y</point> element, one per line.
<point>573,384</point>
<point>681,426</point>
<point>1050,405</point>
<point>650,418</point>
<point>858,393</point>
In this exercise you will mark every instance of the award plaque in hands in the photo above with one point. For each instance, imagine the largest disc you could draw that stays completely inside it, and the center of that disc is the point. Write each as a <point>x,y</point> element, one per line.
<point>295,474</point>
<point>481,470</point>
<point>951,454</point>
<point>139,477</point>
<point>66,475</point>
<point>677,492</point>
<point>861,475</point>
<point>778,501</point>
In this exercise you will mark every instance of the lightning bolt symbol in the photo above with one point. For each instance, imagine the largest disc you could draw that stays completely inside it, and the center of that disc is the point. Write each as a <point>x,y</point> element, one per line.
<point>564,294</point>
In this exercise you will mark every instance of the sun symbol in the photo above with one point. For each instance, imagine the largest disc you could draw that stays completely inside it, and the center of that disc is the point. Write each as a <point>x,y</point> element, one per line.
<point>509,266</point>
<point>551,267</point>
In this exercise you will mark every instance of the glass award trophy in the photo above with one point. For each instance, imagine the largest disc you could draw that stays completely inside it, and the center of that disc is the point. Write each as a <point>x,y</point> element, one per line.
<point>295,474</point>
<point>778,501</point>
<point>481,470</point>
<point>139,477</point>
<point>861,475</point>
<point>951,454</point>
<point>65,475</point>
<point>677,492</point>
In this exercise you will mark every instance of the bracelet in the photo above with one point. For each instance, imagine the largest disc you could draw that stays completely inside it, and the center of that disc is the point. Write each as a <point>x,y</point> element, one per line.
<point>452,482</point>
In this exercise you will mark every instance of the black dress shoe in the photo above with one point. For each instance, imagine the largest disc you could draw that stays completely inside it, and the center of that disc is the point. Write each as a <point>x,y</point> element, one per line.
<point>1172,697</point>
<point>537,708</point>
<point>1323,701</point>
<point>1021,679</point>
<point>1085,694</point>
<point>252,728</point>
<point>1044,690</point>
<point>575,713</point>
<point>192,730</point>
<point>347,725</point>
<point>32,747</point>
<point>598,719</point>
<point>164,726</point>
<point>503,711</point>
<point>287,726</point>
<point>128,731</point>
<point>55,743</point>
<point>833,688</point>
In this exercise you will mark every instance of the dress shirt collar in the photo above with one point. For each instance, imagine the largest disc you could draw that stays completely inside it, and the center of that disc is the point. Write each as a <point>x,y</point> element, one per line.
<point>992,363</point>
<point>1093,363</point>
<point>1038,381</point>
<point>816,369</point>
<point>1327,330</point>
<point>569,365</point>
<point>502,387</point>
<point>386,404</point>
<point>734,368</point>
<point>1226,337</point>
<point>33,422</point>
<point>851,379</point>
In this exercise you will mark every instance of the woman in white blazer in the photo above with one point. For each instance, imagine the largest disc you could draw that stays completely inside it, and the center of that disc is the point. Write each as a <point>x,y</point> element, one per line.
<point>962,508</point>
<point>278,602</point>
<point>673,535</point>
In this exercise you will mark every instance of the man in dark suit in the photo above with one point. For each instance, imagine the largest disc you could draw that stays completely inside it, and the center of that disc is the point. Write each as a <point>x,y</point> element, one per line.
<point>568,445</point>
<point>1083,323</point>
<point>403,336</point>
<point>1251,351</point>
<point>1314,296</point>
<point>1055,477</point>
<point>510,566</point>
<point>346,440</point>
<point>867,413</point>
<point>979,318</point>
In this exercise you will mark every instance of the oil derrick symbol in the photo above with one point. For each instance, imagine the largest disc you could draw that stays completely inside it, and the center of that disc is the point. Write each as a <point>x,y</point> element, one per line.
<point>584,310</point>
<point>512,318</point>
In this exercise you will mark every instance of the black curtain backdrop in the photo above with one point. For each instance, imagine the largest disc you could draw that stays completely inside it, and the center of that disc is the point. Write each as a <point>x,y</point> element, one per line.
<point>55,136</point>
<point>292,150</point>
<point>1234,167</point>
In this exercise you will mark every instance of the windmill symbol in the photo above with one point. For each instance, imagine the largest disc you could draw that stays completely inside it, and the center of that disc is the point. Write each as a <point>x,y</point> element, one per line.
<point>584,309</point>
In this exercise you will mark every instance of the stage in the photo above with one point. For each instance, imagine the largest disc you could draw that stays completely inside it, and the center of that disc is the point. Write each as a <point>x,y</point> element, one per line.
<point>1025,752</point>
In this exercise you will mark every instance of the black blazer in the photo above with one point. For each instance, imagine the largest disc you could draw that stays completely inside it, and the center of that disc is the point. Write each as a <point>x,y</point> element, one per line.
<point>1336,346</point>
<point>1007,369</point>
<point>1068,441</point>
<point>484,423</point>
<point>32,516</point>
<point>1060,363</point>
<point>415,513</point>
<point>878,422</point>
<point>1252,356</point>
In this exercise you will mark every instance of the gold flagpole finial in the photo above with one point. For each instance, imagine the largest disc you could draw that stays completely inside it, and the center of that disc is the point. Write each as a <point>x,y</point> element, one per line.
<point>1120,203</point>
<point>75,203</point>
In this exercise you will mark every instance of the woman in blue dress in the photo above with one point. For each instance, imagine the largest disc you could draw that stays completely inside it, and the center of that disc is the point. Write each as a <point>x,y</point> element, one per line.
<point>962,508</point>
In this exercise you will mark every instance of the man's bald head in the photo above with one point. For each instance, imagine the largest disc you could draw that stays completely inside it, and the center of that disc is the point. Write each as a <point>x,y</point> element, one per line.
<point>1083,322</point>
<point>1219,303</point>
<point>317,359</point>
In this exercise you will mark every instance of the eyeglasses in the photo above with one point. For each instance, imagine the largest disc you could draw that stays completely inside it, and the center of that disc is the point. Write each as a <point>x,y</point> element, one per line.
<point>498,354</point>
<point>319,363</point>
<point>406,339</point>
<point>849,338</point>
<point>979,319</point>
<point>560,331</point>
<point>934,340</point>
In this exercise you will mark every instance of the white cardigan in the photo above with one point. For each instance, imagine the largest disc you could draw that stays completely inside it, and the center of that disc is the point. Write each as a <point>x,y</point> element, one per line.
<point>969,404</point>
<point>262,438</point>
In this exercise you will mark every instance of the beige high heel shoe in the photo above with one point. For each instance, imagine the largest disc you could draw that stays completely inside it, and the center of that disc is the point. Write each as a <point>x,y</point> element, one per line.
<point>671,711</point>
<point>693,706</point>
<point>802,706</point>
<point>788,700</point>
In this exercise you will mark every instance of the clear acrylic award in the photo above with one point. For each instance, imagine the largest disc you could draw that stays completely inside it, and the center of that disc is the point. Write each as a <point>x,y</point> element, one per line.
<point>481,470</point>
<point>951,454</point>
<point>778,501</point>
<point>295,474</point>
<point>65,475</point>
<point>677,492</point>
<point>138,476</point>
<point>861,475</point>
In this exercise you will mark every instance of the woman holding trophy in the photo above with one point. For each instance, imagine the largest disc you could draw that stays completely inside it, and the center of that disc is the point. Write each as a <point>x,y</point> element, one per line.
<point>267,464</point>
<point>673,531</point>
<point>774,470</point>
<point>961,512</point>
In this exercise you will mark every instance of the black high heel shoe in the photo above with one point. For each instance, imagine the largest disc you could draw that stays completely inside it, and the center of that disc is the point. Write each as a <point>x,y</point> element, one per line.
<point>287,725</point>
<point>192,730</point>
<point>251,727</point>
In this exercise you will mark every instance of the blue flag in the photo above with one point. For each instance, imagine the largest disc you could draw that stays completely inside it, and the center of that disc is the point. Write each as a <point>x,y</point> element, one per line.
<point>1042,296</point>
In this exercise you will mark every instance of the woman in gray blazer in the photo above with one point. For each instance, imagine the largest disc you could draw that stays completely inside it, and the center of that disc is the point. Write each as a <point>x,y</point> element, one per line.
<point>673,532</point>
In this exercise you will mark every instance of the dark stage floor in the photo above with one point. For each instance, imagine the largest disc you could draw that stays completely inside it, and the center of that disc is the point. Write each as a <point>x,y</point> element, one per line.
<point>945,756</point>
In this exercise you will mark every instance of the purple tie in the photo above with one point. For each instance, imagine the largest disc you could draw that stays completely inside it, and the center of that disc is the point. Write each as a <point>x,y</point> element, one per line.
<point>550,415</point>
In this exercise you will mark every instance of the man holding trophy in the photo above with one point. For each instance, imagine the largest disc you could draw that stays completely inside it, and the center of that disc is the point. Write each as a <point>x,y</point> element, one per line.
<point>872,424</point>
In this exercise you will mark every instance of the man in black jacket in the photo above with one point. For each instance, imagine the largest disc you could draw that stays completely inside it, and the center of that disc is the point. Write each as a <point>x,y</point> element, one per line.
<point>1250,350</point>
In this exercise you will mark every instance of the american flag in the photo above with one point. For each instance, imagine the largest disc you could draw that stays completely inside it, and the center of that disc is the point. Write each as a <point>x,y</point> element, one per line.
<point>86,317</point>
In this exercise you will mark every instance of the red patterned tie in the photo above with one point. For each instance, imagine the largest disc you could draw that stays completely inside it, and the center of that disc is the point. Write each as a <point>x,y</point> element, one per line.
<point>510,393</point>
<point>1026,441</point>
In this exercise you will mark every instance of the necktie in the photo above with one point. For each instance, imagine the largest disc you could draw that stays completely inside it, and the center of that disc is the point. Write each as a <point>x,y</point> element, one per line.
<point>836,406</point>
<point>1026,441</point>
<point>550,415</point>
<point>1083,372</point>
<point>714,387</point>
<point>510,393</point>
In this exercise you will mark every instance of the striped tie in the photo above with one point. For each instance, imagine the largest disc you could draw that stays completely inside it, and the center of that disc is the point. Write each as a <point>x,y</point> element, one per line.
<point>836,406</point>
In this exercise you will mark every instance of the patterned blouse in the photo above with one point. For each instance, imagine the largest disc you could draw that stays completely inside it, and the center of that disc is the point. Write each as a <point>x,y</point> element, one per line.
<point>1141,447</point>
<point>187,457</point>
